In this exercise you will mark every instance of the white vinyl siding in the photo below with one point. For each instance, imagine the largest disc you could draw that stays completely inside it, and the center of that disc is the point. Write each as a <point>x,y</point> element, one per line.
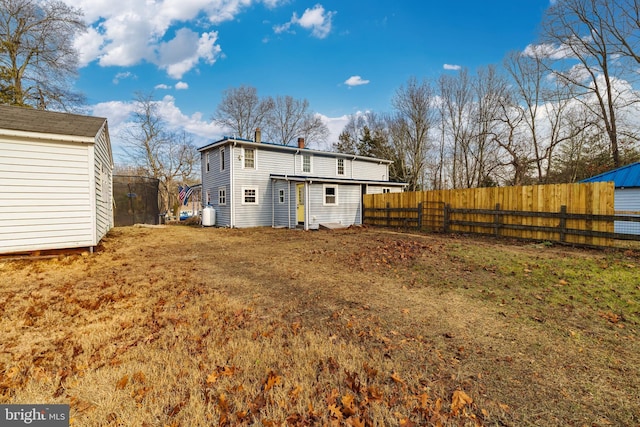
<point>628,200</point>
<point>103,169</point>
<point>46,197</point>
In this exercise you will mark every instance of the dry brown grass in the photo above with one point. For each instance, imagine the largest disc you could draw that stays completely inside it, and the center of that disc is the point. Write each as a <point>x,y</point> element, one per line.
<point>189,326</point>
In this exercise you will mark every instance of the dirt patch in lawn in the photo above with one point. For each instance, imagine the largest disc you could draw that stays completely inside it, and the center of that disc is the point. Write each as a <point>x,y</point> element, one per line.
<point>201,326</point>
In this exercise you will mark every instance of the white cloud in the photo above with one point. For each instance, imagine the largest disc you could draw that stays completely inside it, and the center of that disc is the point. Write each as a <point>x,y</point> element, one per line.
<point>336,126</point>
<point>119,114</point>
<point>122,76</point>
<point>128,32</point>
<point>547,50</point>
<point>182,86</point>
<point>186,50</point>
<point>452,67</point>
<point>162,86</point>
<point>355,81</point>
<point>317,20</point>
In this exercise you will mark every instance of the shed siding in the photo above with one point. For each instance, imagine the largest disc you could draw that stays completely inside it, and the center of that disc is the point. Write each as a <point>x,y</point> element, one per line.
<point>45,202</point>
<point>627,199</point>
<point>103,171</point>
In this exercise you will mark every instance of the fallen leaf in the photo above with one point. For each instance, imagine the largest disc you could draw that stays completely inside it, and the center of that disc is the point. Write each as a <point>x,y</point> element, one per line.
<point>459,400</point>
<point>335,411</point>
<point>273,380</point>
<point>122,383</point>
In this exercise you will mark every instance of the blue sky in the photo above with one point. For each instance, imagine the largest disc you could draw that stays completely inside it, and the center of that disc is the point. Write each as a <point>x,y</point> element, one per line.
<point>342,56</point>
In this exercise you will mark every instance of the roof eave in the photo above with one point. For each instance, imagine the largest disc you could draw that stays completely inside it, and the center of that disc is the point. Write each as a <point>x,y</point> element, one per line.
<point>47,136</point>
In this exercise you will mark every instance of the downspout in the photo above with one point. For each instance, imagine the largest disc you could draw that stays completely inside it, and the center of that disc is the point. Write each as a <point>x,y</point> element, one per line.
<point>232,212</point>
<point>307,208</point>
<point>289,202</point>
<point>273,207</point>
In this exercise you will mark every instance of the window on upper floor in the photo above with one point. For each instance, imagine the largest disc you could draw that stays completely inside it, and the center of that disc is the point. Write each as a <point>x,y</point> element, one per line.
<point>340,166</point>
<point>306,163</point>
<point>207,162</point>
<point>249,158</point>
<point>222,161</point>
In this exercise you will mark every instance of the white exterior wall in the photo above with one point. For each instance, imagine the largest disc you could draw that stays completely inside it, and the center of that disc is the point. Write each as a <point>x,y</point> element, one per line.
<point>216,178</point>
<point>627,199</point>
<point>346,212</point>
<point>46,196</point>
<point>103,172</point>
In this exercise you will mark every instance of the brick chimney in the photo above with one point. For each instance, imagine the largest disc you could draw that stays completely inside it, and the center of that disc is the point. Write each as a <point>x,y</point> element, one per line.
<point>258,136</point>
<point>300,142</point>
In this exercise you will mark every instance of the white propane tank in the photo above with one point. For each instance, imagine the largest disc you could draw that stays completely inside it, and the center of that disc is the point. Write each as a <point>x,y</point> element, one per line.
<point>208,216</point>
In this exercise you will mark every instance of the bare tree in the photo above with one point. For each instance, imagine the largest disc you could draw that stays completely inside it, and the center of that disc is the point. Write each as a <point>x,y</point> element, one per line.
<point>290,119</point>
<point>580,33</point>
<point>409,129</point>
<point>168,156</point>
<point>37,57</point>
<point>242,111</point>
<point>456,107</point>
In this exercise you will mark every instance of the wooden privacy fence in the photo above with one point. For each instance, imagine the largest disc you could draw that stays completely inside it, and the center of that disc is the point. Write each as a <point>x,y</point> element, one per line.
<point>581,214</point>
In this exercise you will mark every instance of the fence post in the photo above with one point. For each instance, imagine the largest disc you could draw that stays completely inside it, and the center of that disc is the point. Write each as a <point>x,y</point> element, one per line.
<point>420,216</point>
<point>497,221</point>
<point>388,214</point>
<point>563,223</point>
<point>445,217</point>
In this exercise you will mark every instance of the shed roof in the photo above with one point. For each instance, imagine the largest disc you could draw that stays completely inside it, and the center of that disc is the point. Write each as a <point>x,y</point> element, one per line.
<point>624,177</point>
<point>51,122</point>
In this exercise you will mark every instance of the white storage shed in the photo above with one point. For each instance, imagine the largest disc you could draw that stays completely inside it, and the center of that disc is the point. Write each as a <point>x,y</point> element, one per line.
<point>55,180</point>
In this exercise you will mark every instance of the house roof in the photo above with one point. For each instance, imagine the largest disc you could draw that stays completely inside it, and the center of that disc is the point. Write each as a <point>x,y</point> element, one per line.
<point>23,119</point>
<point>626,176</point>
<point>305,178</point>
<point>248,142</point>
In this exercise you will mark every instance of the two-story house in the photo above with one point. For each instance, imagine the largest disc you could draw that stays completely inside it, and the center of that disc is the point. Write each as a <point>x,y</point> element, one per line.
<point>251,183</point>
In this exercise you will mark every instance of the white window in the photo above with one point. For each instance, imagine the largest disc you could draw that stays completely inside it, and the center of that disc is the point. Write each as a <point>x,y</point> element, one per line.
<point>249,195</point>
<point>306,163</point>
<point>222,165</point>
<point>249,158</point>
<point>386,190</point>
<point>208,197</point>
<point>281,196</point>
<point>330,194</point>
<point>222,196</point>
<point>207,155</point>
<point>340,166</point>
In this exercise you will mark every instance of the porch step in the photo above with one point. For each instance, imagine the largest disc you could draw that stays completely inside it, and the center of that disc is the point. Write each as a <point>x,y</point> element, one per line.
<point>331,226</point>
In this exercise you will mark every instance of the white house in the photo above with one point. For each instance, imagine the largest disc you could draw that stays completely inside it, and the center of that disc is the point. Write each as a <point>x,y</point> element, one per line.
<point>252,183</point>
<point>626,180</point>
<point>55,180</point>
